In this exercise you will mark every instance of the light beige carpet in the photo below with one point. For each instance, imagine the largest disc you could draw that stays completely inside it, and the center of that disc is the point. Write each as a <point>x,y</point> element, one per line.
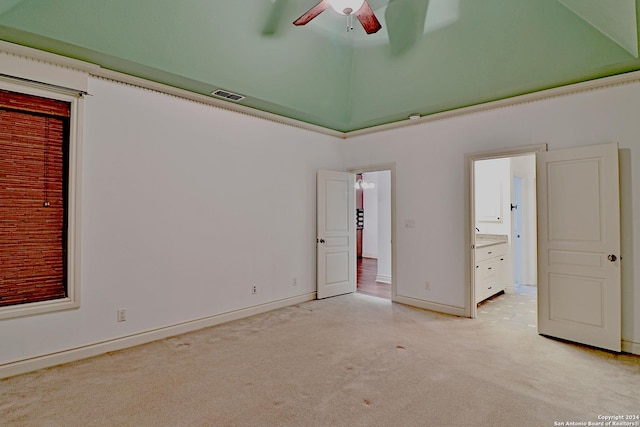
<point>352,360</point>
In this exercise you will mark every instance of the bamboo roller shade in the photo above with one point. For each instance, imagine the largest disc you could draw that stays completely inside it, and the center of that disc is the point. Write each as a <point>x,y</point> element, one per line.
<point>33,150</point>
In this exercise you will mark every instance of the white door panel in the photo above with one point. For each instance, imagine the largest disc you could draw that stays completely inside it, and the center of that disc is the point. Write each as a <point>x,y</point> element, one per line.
<point>578,228</point>
<point>336,245</point>
<point>575,189</point>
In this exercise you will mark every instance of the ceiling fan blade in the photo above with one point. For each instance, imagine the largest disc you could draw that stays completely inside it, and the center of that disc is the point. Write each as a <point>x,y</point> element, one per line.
<point>368,19</point>
<point>312,13</point>
<point>275,17</point>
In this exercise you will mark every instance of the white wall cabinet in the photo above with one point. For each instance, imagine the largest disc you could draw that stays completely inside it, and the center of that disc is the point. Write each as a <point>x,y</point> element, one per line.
<point>491,270</point>
<point>491,191</point>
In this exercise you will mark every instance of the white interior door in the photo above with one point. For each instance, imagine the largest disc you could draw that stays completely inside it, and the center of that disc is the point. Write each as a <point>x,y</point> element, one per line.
<point>579,245</point>
<point>336,239</point>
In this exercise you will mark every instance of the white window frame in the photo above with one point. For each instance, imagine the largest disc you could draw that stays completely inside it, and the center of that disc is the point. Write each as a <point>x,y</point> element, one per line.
<point>74,98</point>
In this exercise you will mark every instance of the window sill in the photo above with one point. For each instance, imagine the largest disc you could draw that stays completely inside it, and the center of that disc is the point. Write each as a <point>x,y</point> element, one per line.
<point>40,307</point>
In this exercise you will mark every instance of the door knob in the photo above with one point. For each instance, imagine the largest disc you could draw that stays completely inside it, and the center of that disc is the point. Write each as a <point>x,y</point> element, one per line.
<point>612,258</point>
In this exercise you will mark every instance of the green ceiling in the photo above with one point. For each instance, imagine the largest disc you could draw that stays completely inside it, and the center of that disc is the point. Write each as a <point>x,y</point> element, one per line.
<point>430,56</point>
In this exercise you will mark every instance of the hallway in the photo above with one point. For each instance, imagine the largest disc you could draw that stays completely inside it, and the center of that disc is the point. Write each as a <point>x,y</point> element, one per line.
<point>367,271</point>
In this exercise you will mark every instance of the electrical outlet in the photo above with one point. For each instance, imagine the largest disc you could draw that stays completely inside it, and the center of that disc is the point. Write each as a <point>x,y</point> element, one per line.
<point>122,315</point>
<point>294,281</point>
<point>427,285</point>
<point>254,289</point>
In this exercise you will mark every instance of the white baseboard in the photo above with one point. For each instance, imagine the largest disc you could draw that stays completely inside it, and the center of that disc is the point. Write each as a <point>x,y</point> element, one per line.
<point>383,279</point>
<point>631,347</point>
<point>432,306</point>
<point>91,350</point>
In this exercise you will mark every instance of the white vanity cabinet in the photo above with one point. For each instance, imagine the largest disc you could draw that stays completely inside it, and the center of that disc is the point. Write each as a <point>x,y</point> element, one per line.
<point>490,270</point>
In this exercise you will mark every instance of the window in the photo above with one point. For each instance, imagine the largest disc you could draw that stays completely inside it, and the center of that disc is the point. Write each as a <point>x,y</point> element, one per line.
<point>37,164</point>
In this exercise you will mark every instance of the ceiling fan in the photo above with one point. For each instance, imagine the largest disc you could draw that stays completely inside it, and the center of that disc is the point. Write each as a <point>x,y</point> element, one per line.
<point>359,8</point>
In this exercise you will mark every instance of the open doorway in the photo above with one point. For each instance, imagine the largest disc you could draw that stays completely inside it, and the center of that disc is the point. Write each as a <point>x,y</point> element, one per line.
<point>578,267</point>
<point>505,238</point>
<point>373,232</point>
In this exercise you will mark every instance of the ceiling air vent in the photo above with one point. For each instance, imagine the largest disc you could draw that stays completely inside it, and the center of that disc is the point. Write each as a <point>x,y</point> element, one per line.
<point>228,95</point>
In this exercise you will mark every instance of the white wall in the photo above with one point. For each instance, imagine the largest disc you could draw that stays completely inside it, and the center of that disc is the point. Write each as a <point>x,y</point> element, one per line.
<point>184,207</point>
<point>430,182</point>
<point>384,226</point>
<point>525,168</point>
<point>370,206</point>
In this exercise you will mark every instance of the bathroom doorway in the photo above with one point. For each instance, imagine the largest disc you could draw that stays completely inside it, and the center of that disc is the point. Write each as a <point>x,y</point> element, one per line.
<point>505,240</point>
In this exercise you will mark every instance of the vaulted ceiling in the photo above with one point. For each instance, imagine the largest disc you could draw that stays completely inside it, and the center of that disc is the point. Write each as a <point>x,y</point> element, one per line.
<point>430,56</point>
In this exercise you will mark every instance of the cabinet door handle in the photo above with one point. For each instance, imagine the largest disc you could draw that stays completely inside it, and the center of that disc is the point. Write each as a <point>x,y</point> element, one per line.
<point>501,259</point>
<point>490,252</point>
<point>489,268</point>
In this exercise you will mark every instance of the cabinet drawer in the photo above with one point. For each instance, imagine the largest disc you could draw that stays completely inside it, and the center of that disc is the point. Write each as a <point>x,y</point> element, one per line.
<point>491,251</point>
<point>487,289</point>
<point>487,270</point>
<point>490,270</point>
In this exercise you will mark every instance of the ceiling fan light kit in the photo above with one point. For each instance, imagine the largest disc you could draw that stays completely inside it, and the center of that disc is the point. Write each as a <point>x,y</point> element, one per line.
<point>346,7</point>
<point>359,8</point>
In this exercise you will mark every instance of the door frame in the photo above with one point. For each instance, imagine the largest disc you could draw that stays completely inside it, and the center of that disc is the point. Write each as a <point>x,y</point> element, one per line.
<point>471,309</point>
<point>392,168</point>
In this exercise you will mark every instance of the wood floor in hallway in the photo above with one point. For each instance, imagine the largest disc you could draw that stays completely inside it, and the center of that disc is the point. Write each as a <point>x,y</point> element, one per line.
<point>367,271</point>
